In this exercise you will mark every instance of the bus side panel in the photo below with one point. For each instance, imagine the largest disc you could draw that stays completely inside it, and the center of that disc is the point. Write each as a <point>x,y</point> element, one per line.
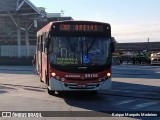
<point>40,65</point>
<point>38,56</point>
<point>44,66</point>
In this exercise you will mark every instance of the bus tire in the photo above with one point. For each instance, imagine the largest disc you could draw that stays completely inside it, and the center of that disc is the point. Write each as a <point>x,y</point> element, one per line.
<point>40,79</point>
<point>60,92</point>
<point>46,78</point>
<point>94,92</point>
<point>50,92</point>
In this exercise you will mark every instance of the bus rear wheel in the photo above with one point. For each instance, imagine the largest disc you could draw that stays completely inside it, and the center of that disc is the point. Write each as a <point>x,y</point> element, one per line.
<point>40,78</point>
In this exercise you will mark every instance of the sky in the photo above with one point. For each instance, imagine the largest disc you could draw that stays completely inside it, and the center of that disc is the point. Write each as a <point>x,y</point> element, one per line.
<point>131,20</point>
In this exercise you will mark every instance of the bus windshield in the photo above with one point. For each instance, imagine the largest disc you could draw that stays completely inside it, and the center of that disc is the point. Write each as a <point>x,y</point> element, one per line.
<point>79,51</point>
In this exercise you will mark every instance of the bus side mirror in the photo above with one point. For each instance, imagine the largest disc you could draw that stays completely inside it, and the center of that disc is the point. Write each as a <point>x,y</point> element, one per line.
<point>113,41</point>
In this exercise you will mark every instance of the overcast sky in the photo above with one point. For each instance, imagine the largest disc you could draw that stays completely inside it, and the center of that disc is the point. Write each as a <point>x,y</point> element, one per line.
<point>131,20</point>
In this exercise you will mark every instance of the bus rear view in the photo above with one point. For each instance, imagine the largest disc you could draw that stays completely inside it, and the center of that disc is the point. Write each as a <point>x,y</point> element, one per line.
<point>75,56</point>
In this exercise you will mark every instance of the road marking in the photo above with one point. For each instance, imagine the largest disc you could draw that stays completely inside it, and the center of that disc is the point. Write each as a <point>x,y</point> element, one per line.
<point>110,99</point>
<point>144,105</point>
<point>144,92</point>
<point>124,102</point>
<point>122,90</point>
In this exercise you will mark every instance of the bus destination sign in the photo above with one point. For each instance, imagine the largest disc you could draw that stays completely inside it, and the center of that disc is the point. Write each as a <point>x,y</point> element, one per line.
<point>83,27</point>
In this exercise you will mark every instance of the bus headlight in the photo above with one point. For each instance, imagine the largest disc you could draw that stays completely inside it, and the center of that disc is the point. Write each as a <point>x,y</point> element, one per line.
<point>108,74</point>
<point>53,74</point>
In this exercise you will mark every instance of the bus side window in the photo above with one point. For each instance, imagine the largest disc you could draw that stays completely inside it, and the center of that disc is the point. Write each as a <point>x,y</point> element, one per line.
<point>38,43</point>
<point>43,43</point>
<point>46,45</point>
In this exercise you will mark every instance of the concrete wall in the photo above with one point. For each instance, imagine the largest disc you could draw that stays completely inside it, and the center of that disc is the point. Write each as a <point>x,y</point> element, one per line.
<point>23,61</point>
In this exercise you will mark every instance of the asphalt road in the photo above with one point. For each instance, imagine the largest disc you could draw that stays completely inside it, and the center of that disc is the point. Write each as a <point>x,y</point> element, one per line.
<point>134,88</point>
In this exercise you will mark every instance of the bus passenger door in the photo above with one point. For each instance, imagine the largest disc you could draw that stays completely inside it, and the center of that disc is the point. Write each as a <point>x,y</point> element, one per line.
<point>44,61</point>
<point>40,58</point>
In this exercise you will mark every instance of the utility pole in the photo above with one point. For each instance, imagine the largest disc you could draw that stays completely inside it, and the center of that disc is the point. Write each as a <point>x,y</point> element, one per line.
<point>62,13</point>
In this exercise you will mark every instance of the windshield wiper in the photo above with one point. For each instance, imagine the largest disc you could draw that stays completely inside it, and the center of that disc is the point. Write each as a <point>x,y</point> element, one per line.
<point>90,47</point>
<point>72,47</point>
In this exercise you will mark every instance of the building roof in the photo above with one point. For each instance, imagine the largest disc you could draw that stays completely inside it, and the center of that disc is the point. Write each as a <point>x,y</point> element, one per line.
<point>151,46</point>
<point>19,9</point>
<point>19,14</point>
<point>22,6</point>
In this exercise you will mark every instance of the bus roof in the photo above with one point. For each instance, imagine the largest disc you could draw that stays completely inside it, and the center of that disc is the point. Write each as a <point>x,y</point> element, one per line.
<point>49,25</point>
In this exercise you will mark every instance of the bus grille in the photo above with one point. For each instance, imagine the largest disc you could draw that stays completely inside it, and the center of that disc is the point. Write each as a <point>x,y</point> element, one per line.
<point>81,86</point>
<point>78,79</point>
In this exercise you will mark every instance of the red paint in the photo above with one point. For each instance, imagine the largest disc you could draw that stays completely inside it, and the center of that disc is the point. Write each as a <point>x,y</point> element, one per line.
<point>80,78</point>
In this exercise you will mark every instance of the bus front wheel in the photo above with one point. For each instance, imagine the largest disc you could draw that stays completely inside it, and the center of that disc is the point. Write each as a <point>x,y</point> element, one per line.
<point>50,92</point>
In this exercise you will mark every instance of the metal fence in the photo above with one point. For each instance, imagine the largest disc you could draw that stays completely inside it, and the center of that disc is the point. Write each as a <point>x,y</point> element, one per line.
<point>12,51</point>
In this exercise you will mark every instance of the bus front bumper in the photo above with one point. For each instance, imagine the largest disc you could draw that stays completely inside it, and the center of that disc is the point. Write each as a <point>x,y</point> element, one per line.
<point>56,85</point>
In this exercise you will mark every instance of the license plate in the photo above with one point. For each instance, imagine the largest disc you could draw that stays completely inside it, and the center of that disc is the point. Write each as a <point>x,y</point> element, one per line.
<point>81,86</point>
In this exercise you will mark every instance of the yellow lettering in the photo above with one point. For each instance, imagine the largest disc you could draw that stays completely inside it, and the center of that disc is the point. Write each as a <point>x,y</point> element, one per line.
<point>67,60</point>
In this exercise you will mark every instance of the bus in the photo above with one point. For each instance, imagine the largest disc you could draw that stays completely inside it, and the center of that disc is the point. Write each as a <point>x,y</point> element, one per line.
<point>75,56</point>
<point>155,59</point>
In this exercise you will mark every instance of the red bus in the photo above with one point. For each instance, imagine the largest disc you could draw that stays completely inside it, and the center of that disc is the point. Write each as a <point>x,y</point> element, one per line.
<point>75,56</point>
